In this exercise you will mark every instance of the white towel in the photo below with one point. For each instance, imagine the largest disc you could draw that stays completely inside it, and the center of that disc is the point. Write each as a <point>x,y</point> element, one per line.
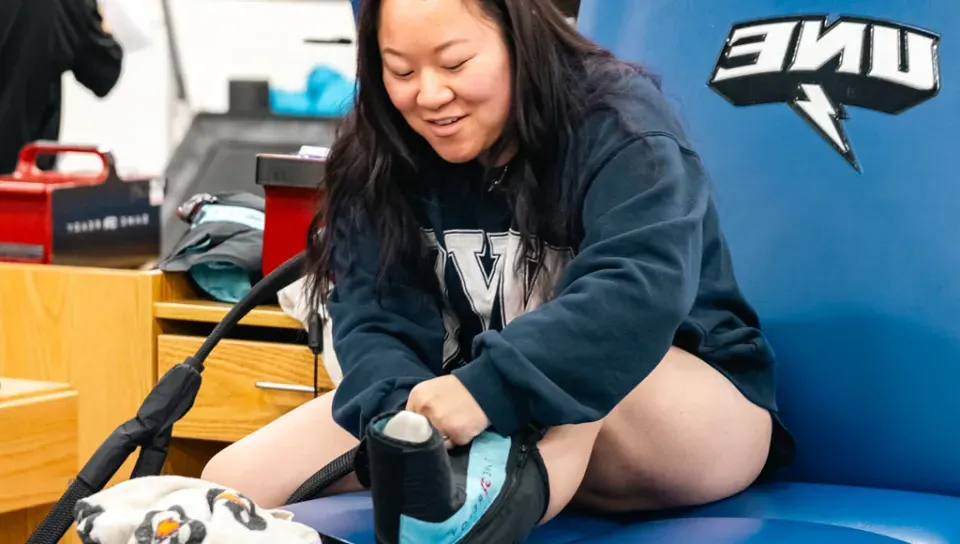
<point>179,510</point>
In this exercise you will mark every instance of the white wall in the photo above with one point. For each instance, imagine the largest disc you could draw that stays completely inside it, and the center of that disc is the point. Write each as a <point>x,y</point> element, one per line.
<point>218,40</point>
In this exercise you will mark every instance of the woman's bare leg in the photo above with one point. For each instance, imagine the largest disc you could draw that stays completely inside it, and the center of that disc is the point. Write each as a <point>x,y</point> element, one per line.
<point>685,436</point>
<point>270,464</point>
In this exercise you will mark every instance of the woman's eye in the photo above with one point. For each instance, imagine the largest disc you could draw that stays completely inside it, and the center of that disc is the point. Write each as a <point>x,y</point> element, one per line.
<point>401,74</point>
<point>456,66</point>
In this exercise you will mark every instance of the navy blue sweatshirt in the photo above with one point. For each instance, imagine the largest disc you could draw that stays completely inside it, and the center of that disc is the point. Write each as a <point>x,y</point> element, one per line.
<point>651,270</point>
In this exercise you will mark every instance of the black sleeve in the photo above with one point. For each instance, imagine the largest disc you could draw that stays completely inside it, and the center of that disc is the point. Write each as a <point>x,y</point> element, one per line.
<point>9,9</point>
<point>97,57</point>
<point>388,338</point>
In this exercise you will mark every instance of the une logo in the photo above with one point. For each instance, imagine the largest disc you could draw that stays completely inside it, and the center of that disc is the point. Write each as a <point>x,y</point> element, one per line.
<point>818,68</point>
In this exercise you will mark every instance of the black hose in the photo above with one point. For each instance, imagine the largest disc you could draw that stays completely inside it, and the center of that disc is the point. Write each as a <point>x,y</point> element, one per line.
<point>154,443</point>
<point>282,276</point>
<point>313,488</point>
<point>60,518</point>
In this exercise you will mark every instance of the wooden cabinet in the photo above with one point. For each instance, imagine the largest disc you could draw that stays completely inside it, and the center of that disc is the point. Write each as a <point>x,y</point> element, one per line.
<point>246,384</point>
<point>258,372</point>
<point>102,338</point>
<point>91,329</point>
<point>38,442</point>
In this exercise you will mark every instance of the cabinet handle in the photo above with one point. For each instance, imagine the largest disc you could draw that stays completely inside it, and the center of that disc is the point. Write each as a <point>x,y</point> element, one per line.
<point>284,387</point>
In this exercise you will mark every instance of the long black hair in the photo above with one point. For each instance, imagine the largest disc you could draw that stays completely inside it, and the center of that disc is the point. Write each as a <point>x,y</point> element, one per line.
<point>558,75</point>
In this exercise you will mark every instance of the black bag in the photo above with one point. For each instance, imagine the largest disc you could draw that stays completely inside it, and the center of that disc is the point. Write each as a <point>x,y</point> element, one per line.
<point>222,252</point>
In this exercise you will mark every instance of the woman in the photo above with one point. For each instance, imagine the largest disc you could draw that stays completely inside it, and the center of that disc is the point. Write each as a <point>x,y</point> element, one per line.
<point>584,283</point>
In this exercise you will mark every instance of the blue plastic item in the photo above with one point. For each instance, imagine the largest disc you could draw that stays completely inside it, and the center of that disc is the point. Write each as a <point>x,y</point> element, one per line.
<point>327,93</point>
<point>843,233</point>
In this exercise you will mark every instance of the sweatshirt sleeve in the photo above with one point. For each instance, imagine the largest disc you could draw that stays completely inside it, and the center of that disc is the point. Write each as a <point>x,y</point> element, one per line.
<point>617,304</point>
<point>388,338</point>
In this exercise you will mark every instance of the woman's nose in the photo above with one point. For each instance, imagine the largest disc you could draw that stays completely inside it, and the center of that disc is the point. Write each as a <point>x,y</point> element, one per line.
<point>434,92</point>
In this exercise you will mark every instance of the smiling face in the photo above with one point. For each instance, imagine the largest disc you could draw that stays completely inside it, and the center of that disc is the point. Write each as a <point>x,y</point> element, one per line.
<point>446,68</point>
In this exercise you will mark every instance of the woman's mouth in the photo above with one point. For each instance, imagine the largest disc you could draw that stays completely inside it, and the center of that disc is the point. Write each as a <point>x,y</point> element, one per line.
<point>446,126</point>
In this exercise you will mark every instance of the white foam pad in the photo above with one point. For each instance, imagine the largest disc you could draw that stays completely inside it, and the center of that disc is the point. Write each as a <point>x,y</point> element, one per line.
<point>409,427</point>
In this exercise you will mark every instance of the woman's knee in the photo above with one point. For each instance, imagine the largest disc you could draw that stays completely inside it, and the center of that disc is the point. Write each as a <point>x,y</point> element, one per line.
<point>222,468</point>
<point>240,466</point>
<point>216,469</point>
<point>270,463</point>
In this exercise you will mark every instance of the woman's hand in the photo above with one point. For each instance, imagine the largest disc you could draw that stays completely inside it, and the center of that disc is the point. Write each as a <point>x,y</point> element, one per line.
<point>450,408</point>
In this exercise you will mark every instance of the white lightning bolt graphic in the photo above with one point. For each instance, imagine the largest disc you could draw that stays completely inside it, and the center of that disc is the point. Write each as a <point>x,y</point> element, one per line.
<point>819,111</point>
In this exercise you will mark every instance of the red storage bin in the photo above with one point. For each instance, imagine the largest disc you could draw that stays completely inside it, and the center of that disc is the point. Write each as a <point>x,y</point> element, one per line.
<point>77,219</point>
<point>292,193</point>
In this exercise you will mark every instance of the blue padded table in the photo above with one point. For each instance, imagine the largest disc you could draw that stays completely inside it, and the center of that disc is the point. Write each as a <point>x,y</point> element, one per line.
<point>780,513</point>
<point>845,234</point>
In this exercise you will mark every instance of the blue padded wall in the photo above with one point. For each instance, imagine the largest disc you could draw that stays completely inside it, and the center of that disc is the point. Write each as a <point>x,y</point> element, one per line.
<point>855,275</point>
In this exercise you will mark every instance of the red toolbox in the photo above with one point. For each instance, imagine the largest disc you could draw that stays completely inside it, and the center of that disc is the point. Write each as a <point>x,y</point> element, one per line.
<point>293,195</point>
<point>94,219</point>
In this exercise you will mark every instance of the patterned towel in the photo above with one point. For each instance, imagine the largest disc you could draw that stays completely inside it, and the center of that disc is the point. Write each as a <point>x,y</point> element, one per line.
<point>178,510</point>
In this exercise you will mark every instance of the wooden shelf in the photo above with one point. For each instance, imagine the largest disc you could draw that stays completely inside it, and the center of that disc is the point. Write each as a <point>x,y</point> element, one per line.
<point>178,301</point>
<point>15,389</point>
<point>207,311</point>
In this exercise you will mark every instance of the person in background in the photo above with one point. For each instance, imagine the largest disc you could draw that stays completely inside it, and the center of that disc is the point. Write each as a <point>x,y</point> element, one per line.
<point>40,40</point>
<point>519,232</point>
